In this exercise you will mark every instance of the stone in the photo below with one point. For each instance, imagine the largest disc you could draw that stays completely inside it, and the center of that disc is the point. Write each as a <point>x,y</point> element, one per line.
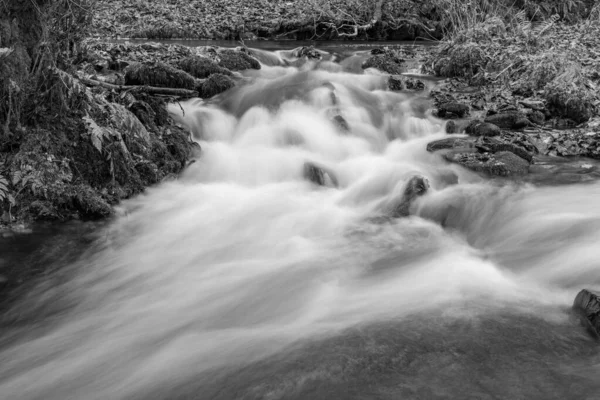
<point>509,120</point>
<point>502,164</point>
<point>587,306</point>
<point>478,128</point>
<point>341,123</point>
<point>451,143</point>
<point>415,187</point>
<point>533,104</point>
<point>399,82</point>
<point>457,109</point>
<point>495,145</point>
<point>318,175</point>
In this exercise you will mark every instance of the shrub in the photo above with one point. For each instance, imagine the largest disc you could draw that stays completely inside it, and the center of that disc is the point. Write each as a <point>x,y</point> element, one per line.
<point>570,94</point>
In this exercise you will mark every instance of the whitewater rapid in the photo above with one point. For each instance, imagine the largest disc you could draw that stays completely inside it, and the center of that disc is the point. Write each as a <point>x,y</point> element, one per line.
<point>242,257</point>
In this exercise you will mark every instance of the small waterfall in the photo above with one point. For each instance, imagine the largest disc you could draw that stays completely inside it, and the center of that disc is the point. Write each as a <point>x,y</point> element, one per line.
<point>242,258</point>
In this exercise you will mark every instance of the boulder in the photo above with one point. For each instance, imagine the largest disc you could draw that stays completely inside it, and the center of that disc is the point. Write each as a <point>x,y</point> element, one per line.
<point>479,128</point>
<point>237,60</point>
<point>587,306</point>
<point>201,67</point>
<point>307,51</point>
<point>509,120</point>
<point>158,74</point>
<point>415,187</point>
<point>503,163</point>
<point>495,145</point>
<point>386,62</point>
<point>447,110</point>
<point>215,84</point>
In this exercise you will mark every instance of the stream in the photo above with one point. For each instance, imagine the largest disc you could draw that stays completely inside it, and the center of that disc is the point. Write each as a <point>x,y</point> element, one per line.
<point>244,280</point>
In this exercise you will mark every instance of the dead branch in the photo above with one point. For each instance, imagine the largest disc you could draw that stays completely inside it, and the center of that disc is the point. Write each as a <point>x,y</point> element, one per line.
<point>185,93</point>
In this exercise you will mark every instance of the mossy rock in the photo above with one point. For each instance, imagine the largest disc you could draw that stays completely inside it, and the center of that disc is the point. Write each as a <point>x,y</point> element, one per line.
<point>568,95</point>
<point>158,74</point>
<point>202,67</point>
<point>386,62</point>
<point>237,60</point>
<point>215,84</point>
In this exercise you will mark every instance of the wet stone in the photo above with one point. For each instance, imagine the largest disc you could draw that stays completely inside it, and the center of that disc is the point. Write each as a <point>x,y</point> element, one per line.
<point>509,120</point>
<point>478,128</point>
<point>587,305</point>
<point>451,143</point>
<point>501,164</point>
<point>458,109</point>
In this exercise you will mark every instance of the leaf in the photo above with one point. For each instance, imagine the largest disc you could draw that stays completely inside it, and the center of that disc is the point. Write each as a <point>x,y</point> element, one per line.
<point>97,133</point>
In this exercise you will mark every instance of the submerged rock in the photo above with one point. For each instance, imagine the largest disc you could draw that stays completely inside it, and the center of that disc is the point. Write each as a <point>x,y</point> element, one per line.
<point>450,109</point>
<point>509,120</point>
<point>503,163</point>
<point>416,186</point>
<point>318,175</point>
<point>341,123</point>
<point>479,128</point>
<point>587,305</point>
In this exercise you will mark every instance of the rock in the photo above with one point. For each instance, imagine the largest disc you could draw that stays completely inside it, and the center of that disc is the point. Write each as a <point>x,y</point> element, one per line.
<point>201,67</point>
<point>509,120</point>
<point>451,143</point>
<point>307,51</point>
<point>341,123</point>
<point>587,305</point>
<point>319,176</point>
<point>158,74</point>
<point>237,60</point>
<point>537,105</point>
<point>478,128</point>
<point>503,163</point>
<point>457,109</point>
<point>415,187</point>
<point>399,82</point>
<point>495,145</point>
<point>215,84</point>
<point>386,62</point>
<point>537,117</point>
<point>451,127</point>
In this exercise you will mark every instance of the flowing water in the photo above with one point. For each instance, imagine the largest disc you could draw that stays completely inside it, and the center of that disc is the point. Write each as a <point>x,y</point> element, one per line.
<point>243,280</point>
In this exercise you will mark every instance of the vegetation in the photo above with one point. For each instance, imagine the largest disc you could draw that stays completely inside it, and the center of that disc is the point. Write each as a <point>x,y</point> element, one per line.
<point>524,52</point>
<point>66,150</point>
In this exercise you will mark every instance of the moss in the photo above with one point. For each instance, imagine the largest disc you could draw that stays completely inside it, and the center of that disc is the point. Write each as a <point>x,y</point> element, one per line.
<point>214,85</point>
<point>570,96</point>
<point>158,74</point>
<point>202,67</point>
<point>387,62</point>
<point>237,60</point>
